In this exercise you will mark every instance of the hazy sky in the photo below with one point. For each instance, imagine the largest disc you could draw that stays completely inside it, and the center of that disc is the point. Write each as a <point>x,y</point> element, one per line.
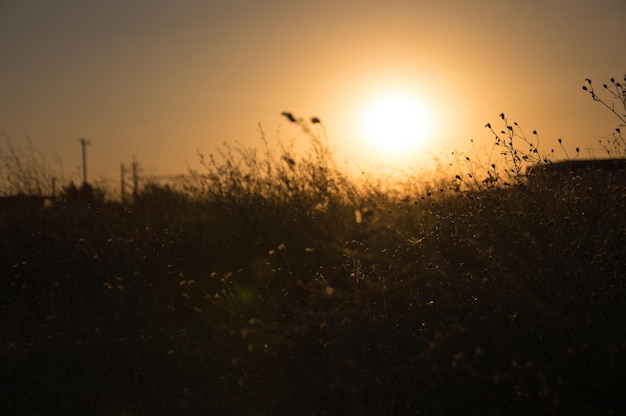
<point>160,79</point>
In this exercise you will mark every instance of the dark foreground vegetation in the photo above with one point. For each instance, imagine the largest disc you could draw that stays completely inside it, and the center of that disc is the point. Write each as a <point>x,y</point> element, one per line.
<point>273,284</point>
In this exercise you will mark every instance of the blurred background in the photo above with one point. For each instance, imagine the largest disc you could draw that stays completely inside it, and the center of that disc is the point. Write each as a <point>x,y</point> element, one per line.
<point>160,80</point>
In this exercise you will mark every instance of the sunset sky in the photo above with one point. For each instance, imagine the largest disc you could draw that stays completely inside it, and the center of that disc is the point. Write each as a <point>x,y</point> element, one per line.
<point>161,79</point>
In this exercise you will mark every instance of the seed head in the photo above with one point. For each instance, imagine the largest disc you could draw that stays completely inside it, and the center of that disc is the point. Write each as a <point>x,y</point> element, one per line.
<point>289,116</point>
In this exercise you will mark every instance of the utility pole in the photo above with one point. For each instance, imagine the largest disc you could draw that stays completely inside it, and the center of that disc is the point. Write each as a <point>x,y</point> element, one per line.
<point>123,184</point>
<point>84,144</point>
<point>135,178</point>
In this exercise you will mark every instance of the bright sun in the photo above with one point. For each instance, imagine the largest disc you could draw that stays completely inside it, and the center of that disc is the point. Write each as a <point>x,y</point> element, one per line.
<point>396,123</point>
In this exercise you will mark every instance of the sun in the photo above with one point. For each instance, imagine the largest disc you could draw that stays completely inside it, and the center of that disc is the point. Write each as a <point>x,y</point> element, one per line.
<point>396,123</point>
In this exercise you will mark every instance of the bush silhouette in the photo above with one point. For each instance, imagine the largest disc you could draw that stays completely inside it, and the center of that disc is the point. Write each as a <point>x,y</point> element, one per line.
<point>273,283</point>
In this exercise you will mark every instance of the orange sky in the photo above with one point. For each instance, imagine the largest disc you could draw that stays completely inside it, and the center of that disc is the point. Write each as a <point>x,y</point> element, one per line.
<point>160,79</point>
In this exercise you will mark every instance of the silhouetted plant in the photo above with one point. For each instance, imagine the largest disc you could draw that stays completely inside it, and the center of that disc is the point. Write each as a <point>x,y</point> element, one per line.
<point>508,163</point>
<point>275,284</point>
<point>615,103</point>
<point>23,171</point>
<point>85,194</point>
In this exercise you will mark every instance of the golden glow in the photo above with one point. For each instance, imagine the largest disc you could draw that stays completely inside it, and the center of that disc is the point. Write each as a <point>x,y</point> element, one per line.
<point>396,123</point>
<point>185,76</point>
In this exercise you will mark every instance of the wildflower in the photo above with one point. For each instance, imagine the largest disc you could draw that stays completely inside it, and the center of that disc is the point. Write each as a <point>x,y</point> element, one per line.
<point>289,116</point>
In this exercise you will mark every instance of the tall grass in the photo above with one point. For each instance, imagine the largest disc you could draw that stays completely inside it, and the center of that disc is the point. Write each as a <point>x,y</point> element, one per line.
<point>24,171</point>
<point>275,284</point>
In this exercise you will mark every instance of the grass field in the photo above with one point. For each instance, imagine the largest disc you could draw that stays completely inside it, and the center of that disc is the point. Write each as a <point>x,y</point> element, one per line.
<point>274,284</point>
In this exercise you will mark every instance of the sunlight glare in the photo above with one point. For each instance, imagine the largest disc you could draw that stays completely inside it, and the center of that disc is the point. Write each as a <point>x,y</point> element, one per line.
<point>396,123</point>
